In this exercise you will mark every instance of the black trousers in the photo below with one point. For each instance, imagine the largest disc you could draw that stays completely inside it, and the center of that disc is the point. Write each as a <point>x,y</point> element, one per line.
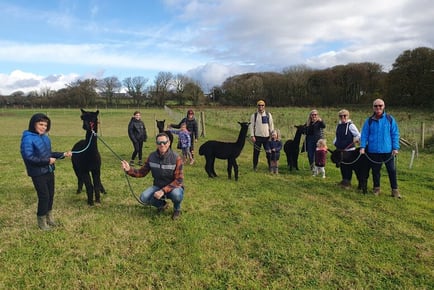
<point>44,186</point>
<point>260,142</point>
<point>138,150</point>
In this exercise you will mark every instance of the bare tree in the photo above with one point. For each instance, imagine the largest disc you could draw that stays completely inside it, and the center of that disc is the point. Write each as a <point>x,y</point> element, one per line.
<point>161,86</point>
<point>136,88</point>
<point>179,82</point>
<point>108,87</point>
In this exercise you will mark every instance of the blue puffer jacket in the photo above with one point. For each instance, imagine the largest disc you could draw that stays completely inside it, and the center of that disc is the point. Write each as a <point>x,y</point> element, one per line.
<point>380,136</point>
<point>36,153</point>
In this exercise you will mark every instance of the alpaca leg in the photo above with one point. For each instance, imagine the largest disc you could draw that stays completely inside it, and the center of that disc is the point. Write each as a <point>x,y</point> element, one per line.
<point>229,169</point>
<point>296,161</point>
<point>96,177</point>
<point>212,167</point>
<point>79,185</point>
<point>103,189</point>
<point>89,188</point>
<point>235,169</point>
<point>208,164</point>
<point>79,180</point>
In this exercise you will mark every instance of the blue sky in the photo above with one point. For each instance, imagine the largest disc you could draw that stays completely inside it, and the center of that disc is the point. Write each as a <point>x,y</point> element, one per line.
<point>47,44</point>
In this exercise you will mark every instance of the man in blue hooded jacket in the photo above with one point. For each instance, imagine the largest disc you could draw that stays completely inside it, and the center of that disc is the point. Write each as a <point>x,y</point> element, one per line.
<point>380,140</point>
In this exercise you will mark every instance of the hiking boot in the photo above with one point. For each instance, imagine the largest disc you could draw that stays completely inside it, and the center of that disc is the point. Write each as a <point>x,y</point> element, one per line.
<point>395,193</point>
<point>376,191</point>
<point>50,219</point>
<point>131,162</point>
<point>345,184</point>
<point>42,223</point>
<point>140,163</point>
<point>176,214</point>
<point>163,208</point>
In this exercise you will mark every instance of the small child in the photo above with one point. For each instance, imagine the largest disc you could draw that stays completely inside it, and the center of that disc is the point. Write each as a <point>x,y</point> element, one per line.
<point>185,142</point>
<point>320,158</point>
<point>272,148</point>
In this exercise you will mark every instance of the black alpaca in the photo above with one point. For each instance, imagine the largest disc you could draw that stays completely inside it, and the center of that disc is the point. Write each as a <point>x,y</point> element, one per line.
<point>224,150</point>
<point>292,148</point>
<point>87,160</point>
<point>160,126</point>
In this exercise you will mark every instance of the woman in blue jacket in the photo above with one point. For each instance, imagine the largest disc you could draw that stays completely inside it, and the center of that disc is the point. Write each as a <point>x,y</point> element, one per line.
<point>380,140</point>
<point>39,161</point>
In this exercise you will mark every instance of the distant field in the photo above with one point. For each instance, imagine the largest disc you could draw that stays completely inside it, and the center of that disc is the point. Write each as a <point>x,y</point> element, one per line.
<point>262,232</point>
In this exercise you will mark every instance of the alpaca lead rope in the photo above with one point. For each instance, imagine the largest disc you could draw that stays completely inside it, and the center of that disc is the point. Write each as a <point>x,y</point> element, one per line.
<point>87,146</point>
<point>125,174</point>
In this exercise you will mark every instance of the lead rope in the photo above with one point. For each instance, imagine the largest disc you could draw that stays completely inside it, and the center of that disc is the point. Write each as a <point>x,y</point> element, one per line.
<point>125,174</point>
<point>87,146</point>
<point>372,161</point>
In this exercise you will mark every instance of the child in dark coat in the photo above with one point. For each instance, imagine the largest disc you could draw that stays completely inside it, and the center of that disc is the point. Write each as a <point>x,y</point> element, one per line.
<point>272,148</point>
<point>39,161</point>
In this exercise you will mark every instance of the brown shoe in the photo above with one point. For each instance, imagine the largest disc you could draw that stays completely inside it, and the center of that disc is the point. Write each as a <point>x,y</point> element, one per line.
<point>345,184</point>
<point>376,191</point>
<point>176,214</point>
<point>163,208</point>
<point>395,193</point>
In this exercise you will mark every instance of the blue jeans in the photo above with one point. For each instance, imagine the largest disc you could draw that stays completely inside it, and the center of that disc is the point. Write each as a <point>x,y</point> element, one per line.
<point>379,158</point>
<point>176,195</point>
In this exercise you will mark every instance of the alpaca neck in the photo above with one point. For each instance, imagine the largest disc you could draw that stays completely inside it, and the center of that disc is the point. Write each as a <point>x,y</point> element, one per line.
<point>89,135</point>
<point>242,136</point>
<point>297,136</point>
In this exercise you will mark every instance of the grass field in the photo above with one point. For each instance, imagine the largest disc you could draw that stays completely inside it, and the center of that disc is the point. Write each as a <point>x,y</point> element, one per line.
<point>264,231</point>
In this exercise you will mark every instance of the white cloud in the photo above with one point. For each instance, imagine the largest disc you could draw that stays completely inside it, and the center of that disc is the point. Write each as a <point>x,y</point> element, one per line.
<point>214,74</point>
<point>23,81</point>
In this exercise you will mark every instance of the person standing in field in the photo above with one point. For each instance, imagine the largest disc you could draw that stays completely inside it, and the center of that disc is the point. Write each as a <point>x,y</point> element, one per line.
<point>314,131</point>
<point>39,160</point>
<point>137,134</point>
<point>192,127</point>
<point>320,158</point>
<point>184,143</point>
<point>380,141</point>
<point>261,126</point>
<point>273,147</point>
<point>347,136</point>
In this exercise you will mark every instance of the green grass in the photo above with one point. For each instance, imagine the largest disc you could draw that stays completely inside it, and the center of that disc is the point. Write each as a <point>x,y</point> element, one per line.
<point>264,231</point>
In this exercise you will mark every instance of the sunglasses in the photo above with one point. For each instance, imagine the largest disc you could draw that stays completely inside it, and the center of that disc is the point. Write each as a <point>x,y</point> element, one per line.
<point>162,142</point>
<point>378,106</point>
<point>314,114</point>
<point>260,105</point>
<point>340,116</point>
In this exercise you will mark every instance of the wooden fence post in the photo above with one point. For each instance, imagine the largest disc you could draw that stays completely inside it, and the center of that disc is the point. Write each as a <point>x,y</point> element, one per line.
<point>422,135</point>
<point>202,124</point>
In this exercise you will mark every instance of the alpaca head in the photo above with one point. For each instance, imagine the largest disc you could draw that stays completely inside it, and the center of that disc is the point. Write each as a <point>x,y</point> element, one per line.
<point>90,120</point>
<point>160,125</point>
<point>300,127</point>
<point>244,124</point>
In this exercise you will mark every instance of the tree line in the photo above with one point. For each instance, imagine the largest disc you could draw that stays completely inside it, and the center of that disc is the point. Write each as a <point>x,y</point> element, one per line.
<point>410,82</point>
